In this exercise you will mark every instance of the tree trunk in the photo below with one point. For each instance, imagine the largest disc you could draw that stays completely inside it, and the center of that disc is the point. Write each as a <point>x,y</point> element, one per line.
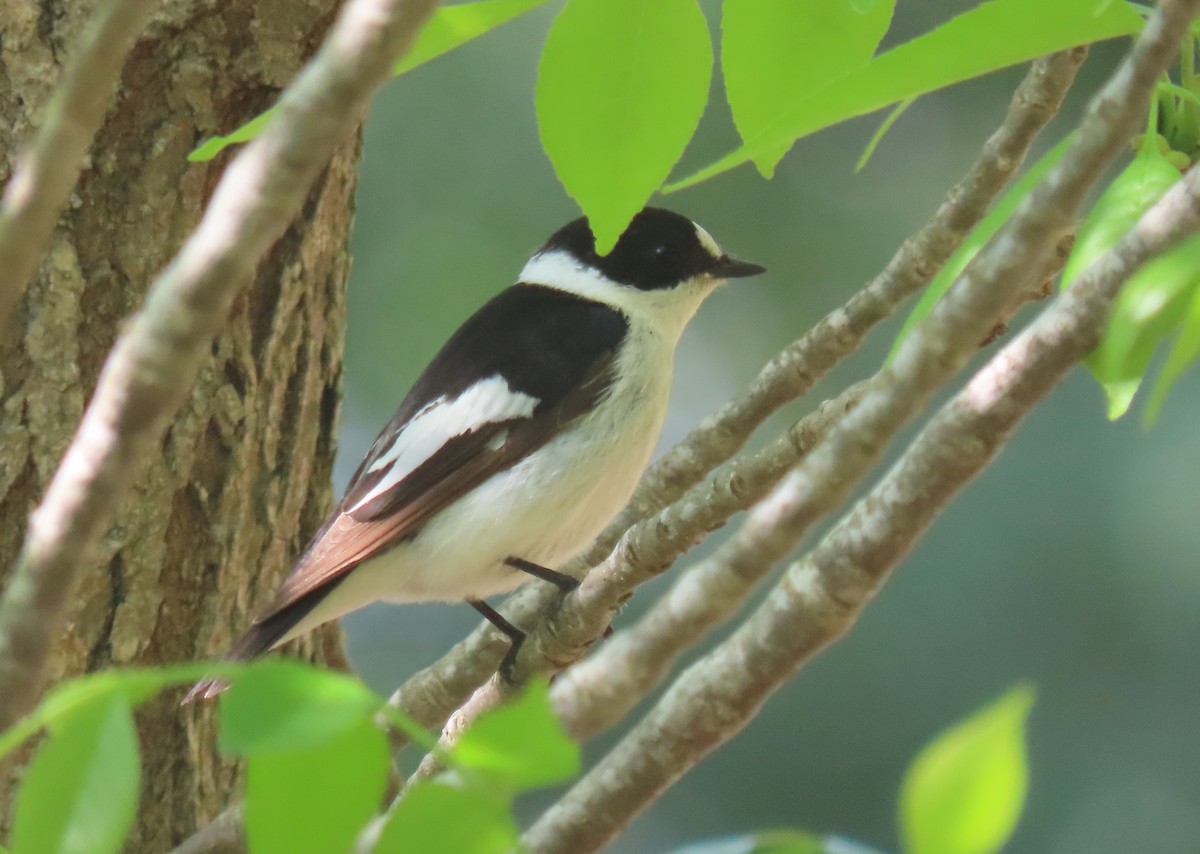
<point>242,477</point>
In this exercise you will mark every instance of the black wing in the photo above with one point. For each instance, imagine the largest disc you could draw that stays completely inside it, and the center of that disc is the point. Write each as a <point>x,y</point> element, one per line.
<point>553,346</point>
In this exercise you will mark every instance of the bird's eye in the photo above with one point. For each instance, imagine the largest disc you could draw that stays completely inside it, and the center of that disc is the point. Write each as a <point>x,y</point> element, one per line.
<point>660,251</point>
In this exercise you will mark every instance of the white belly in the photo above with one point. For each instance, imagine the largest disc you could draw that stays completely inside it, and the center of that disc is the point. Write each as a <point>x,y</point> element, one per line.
<point>544,509</point>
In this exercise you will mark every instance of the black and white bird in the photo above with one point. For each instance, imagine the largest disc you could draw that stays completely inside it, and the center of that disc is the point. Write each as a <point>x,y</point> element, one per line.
<point>520,441</point>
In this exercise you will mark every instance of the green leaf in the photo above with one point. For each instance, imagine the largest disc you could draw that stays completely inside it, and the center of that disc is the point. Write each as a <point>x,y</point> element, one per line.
<point>454,26</point>
<point>135,685</point>
<point>621,88</point>
<point>964,792</point>
<point>80,792</point>
<point>285,706</point>
<point>776,52</point>
<point>771,842</point>
<point>521,744</point>
<point>1153,301</point>
<point>1183,354</point>
<point>993,36</point>
<point>448,28</point>
<point>981,234</point>
<point>881,132</point>
<point>316,798</point>
<point>434,816</point>
<point>214,145</point>
<point>787,842</point>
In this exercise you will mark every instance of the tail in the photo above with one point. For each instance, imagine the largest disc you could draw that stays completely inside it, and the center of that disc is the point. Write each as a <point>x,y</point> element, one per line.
<point>264,635</point>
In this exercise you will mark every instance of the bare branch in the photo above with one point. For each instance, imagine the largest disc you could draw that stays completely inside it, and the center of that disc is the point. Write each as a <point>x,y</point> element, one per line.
<point>149,372</point>
<point>46,172</point>
<point>225,834</point>
<point>820,596</point>
<point>432,694</point>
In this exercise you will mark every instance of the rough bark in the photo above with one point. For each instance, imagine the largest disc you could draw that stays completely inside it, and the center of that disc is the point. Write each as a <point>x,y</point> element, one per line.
<point>243,475</point>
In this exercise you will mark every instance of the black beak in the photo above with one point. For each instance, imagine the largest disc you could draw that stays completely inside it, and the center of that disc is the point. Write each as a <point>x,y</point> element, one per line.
<point>731,268</point>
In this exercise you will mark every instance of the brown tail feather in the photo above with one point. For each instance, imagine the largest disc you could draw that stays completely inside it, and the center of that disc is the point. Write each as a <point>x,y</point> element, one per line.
<point>261,636</point>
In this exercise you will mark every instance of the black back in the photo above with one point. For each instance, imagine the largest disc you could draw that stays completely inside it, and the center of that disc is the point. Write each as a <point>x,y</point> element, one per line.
<point>543,341</point>
<point>659,249</point>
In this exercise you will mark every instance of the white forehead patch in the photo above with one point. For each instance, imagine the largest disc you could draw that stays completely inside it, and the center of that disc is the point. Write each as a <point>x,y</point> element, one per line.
<point>486,402</point>
<point>706,240</point>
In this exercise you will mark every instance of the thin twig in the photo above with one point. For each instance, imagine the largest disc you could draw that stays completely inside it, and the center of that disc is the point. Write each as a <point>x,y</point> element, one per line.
<point>151,369</point>
<point>225,834</point>
<point>46,172</point>
<point>821,595</point>
<point>432,694</point>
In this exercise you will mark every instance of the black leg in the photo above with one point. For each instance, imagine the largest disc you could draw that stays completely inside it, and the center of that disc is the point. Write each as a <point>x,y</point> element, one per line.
<point>565,583</point>
<point>515,636</point>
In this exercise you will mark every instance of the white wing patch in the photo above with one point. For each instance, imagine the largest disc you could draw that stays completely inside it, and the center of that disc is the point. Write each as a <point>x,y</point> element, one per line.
<point>486,402</point>
<point>706,240</point>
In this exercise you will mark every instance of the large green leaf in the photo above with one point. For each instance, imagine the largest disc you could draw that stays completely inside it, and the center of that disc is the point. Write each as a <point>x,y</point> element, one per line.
<point>285,706</point>
<point>994,35</point>
<point>964,792</point>
<point>316,798</point>
<point>80,793</point>
<point>448,28</point>
<point>776,52</point>
<point>1152,303</point>
<point>975,241</point>
<point>436,817</point>
<point>522,745</point>
<point>621,88</point>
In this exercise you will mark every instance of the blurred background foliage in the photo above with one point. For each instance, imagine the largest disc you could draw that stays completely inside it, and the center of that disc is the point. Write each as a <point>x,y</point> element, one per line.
<point>1071,563</point>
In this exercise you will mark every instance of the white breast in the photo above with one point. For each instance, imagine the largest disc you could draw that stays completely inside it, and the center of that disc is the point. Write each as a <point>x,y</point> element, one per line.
<point>544,509</point>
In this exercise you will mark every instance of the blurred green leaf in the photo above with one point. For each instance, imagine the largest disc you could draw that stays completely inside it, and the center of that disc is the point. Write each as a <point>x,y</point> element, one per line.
<point>980,235</point>
<point>964,792</point>
<point>1184,353</point>
<point>763,842</point>
<point>1153,301</point>
<point>448,28</point>
<point>80,793</point>
<point>316,798</point>
<point>435,817</point>
<point>135,685</point>
<point>621,88</point>
<point>287,706</point>
<point>992,36</point>
<point>787,842</point>
<point>776,52</point>
<point>521,744</point>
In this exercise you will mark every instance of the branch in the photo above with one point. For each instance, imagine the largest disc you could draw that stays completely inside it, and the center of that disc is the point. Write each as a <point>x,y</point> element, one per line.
<point>149,372</point>
<point>46,172</point>
<point>821,595</point>
<point>432,694</point>
<point>598,691</point>
<point>225,834</point>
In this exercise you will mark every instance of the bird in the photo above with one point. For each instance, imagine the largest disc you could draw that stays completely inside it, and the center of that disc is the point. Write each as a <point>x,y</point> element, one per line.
<point>519,442</point>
